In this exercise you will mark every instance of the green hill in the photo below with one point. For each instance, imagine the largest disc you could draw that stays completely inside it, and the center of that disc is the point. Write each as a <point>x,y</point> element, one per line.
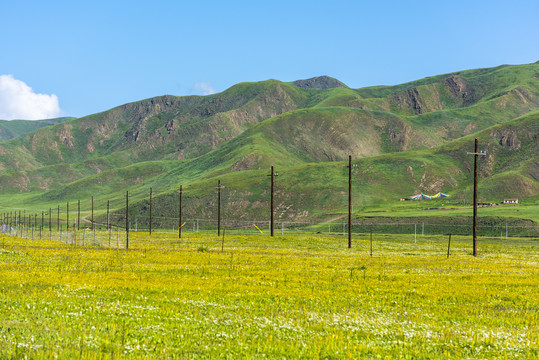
<point>12,129</point>
<point>405,139</point>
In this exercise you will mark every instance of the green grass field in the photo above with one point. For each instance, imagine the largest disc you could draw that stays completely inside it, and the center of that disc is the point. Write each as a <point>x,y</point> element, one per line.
<point>262,297</point>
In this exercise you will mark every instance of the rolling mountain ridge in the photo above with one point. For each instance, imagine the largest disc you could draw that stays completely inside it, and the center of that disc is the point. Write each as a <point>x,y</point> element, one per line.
<point>405,139</point>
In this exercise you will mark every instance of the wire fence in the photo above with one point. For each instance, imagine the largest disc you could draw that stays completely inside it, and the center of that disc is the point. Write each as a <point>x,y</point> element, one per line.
<point>116,236</point>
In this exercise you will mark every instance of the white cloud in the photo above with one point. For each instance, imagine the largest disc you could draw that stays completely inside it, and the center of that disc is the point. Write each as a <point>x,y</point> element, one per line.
<point>19,101</point>
<point>204,88</point>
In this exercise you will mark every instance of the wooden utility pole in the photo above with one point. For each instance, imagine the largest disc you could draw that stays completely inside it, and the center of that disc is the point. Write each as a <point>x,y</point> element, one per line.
<point>180,215</point>
<point>272,175</point>
<point>108,219</point>
<point>67,214</point>
<point>219,187</point>
<point>150,211</point>
<point>476,149</point>
<point>78,216</point>
<point>476,154</point>
<point>350,201</point>
<point>127,220</point>
<point>271,205</point>
<point>58,219</point>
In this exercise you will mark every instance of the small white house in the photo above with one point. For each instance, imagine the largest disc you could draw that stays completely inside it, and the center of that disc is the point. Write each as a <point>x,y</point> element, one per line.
<point>510,201</point>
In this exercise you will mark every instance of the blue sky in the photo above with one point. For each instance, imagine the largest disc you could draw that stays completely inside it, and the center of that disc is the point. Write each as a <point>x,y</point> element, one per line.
<point>90,56</point>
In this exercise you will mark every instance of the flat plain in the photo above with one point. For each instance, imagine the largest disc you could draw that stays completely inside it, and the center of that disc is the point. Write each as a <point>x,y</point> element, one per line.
<point>303,296</point>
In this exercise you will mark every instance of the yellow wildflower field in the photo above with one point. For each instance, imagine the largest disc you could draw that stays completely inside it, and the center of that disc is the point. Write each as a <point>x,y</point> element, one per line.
<point>259,297</point>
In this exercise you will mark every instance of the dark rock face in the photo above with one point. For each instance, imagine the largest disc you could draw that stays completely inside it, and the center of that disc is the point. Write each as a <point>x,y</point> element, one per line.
<point>319,83</point>
<point>457,86</point>
<point>410,99</point>
<point>415,100</point>
<point>510,140</point>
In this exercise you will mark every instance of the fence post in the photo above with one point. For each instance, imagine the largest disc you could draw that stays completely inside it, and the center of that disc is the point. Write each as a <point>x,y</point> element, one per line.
<point>448,246</point>
<point>150,211</point>
<point>371,242</point>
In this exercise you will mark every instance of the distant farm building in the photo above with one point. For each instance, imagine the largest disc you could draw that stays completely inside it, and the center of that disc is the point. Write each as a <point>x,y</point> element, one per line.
<point>510,201</point>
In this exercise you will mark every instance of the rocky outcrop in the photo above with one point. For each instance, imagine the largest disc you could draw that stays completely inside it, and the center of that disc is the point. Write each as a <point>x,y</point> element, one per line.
<point>457,86</point>
<point>510,140</point>
<point>319,83</point>
<point>410,99</point>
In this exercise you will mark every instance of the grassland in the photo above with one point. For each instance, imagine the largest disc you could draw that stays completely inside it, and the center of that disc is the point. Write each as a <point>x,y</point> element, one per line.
<point>282,297</point>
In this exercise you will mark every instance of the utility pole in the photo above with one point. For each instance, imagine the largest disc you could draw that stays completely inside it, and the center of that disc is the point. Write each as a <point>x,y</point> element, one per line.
<point>78,217</point>
<point>272,175</point>
<point>476,154</point>
<point>350,201</point>
<point>219,187</point>
<point>108,219</point>
<point>92,213</point>
<point>180,215</point>
<point>150,211</point>
<point>127,220</point>
<point>58,219</point>
<point>67,212</point>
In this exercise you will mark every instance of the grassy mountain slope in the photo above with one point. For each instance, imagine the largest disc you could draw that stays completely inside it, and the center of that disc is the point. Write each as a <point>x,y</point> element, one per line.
<point>318,190</point>
<point>172,127</point>
<point>12,129</point>
<point>407,139</point>
<point>438,109</point>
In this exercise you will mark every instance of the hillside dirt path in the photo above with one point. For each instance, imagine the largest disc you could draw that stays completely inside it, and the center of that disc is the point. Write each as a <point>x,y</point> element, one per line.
<point>333,219</point>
